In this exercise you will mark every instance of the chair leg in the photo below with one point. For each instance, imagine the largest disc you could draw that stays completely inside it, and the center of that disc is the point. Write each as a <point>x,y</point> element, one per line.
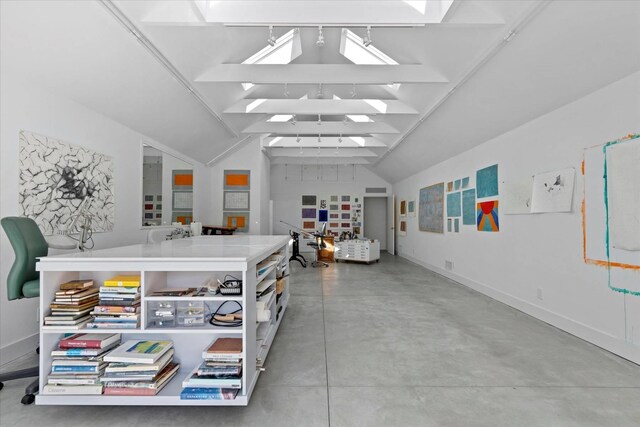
<point>22,373</point>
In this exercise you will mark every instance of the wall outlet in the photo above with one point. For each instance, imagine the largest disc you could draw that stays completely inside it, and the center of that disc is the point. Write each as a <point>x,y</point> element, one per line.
<point>539,294</point>
<point>448,265</point>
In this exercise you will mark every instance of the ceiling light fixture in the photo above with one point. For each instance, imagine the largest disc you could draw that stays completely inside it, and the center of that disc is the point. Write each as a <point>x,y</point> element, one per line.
<point>320,41</point>
<point>340,139</point>
<point>366,40</point>
<point>286,91</point>
<point>345,120</point>
<point>298,138</point>
<point>293,120</point>
<point>272,39</point>
<point>319,120</point>
<point>353,91</point>
<point>319,93</point>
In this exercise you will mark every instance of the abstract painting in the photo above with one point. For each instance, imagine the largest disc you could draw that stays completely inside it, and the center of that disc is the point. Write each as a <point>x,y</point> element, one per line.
<point>487,215</point>
<point>403,228</point>
<point>56,177</point>
<point>334,207</point>
<point>469,207</point>
<point>487,182</point>
<point>309,225</point>
<point>411,208</point>
<point>431,208</point>
<point>236,180</point>
<point>334,198</point>
<point>456,184</point>
<point>553,191</point>
<point>308,213</point>
<point>323,204</point>
<point>334,215</point>
<point>240,220</point>
<point>453,204</point>
<point>403,208</point>
<point>456,225</point>
<point>323,215</point>
<point>465,182</point>
<point>346,198</point>
<point>308,200</point>
<point>346,207</point>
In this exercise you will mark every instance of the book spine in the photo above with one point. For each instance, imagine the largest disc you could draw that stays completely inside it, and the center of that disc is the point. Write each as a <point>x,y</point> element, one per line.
<point>72,389</point>
<point>122,391</point>
<point>74,369</point>
<point>64,344</point>
<point>201,396</point>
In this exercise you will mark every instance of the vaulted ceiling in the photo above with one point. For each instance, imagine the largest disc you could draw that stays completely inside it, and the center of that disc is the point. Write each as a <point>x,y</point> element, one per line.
<point>461,71</point>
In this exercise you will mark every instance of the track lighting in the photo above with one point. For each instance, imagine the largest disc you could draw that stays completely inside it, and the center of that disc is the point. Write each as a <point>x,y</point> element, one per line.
<point>286,90</point>
<point>298,139</point>
<point>293,120</point>
<point>319,120</point>
<point>319,139</point>
<point>272,39</point>
<point>366,41</point>
<point>340,139</point>
<point>319,93</point>
<point>345,120</point>
<point>353,91</point>
<point>320,41</point>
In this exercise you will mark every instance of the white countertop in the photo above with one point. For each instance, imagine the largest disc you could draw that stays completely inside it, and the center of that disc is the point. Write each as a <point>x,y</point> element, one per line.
<point>201,248</point>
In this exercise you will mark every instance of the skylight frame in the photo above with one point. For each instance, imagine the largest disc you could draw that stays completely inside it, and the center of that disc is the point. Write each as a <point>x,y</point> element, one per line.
<point>349,36</point>
<point>292,37</point>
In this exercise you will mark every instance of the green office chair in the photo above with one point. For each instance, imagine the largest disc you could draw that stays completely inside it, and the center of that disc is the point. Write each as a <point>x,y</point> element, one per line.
<point>24,281</point>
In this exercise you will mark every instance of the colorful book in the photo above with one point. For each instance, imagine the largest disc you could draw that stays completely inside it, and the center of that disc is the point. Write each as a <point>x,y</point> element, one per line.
<point>79,369</point>
<point>224,348</point>
<point>118,290</point>
<point>123,281</point>
<point>76,284</point>
<point>99,309</point>
<point>201,393</point>
<point>139,351</point>
<point>134,381</point>
<point>194,380</point>
<point>82,352</point>
<point>89,340</point>
<point>143,389</point>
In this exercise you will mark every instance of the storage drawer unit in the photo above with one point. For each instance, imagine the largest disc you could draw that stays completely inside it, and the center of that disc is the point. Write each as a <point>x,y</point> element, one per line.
<point>357,250</point>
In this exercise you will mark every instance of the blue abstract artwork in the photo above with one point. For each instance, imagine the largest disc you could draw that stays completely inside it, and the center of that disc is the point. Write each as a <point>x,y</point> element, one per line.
<point>323,215</point>
<point>469,207</point>
<point>453,204</point>
<point>487,182</point>
<point>465,182</point>
<point>431,208</point>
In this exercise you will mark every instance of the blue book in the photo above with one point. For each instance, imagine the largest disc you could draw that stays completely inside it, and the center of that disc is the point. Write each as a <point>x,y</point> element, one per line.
<point>199,393</point>
<point>62,368</point>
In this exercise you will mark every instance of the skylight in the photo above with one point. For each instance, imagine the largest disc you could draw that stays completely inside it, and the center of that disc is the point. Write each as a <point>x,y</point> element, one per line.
<point>359,118</point>
<point>274,140</point>
<point>286,48</point>
<point>358,140</point>
<point>353,48</point>
<point>280,118</point>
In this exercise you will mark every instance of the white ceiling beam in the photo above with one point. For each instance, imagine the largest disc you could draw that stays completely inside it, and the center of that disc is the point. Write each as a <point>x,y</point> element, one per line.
<point>322,152</point>
<point>388,13</point>
<point>325,142</point>
<point>321,73</point>
<point>335,160</point>
<point>325,128</point>
<point>320,106</point>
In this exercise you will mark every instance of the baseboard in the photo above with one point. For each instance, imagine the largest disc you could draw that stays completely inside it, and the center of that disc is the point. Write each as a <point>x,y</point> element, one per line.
<point>601,339</point>
<point>18,348</point>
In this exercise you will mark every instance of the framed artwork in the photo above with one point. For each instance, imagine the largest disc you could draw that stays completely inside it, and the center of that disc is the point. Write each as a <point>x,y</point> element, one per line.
<point>309,225</point>
<point>149,197</point>
<point>346,207</point>
<point>334,224</point>
<point>411,208</point>
<point>487,213</point>
<point>240,220</point>
<point>158,198</point>
<point>334,207</point>
<point>182,179</point>
<point>346,198</point>
<point>403,228</point>
<point>236,201</point>
<point>346,216</point>
<point>237,180</point>
<point>334,198</point>
<point>431,209</point>
<point>309,213</point>
<point>323,215</point>
<point>487,182</point>
<point>158,206</point>
<point>346,225</point>
<point>158,215</point>
<point>182,200</point>
<point>334,216</point>
<point>453,204</point>
<point>148,206</point>
<point>148,215</point>
<point>403,208</point>
<point>308,200</point>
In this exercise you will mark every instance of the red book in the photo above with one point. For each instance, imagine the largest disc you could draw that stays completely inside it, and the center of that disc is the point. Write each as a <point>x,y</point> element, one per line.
<point>89,341</point>
<point>124,391</point>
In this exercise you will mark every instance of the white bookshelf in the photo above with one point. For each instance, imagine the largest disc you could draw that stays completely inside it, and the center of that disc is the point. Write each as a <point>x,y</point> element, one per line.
<point>173,264</point>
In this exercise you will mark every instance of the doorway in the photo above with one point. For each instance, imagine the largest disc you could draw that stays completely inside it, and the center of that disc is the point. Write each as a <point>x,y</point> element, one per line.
<point>375,220</point>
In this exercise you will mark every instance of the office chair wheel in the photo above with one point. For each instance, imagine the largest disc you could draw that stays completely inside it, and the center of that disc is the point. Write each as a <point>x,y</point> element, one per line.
<point>38,350</point>
<point>1,386</point>
<point>28,399</point>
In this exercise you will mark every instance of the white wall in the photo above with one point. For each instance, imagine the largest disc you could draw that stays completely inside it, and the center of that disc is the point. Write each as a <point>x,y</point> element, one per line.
<point>25,107</point>
<point>540,251</point>
<point>287,189</point>
<point>248,157</point>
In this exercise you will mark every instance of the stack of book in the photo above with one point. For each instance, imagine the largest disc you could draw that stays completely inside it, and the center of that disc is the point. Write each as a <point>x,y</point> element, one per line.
<point>220,374</point>
<point>139,368</point>
<point>72,304</point>
<point>78,364</point>
<point>119,306</point>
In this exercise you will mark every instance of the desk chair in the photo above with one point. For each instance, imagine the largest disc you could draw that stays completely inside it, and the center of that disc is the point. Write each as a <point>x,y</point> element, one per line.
<point>24,281</point>
<point>318,244</point>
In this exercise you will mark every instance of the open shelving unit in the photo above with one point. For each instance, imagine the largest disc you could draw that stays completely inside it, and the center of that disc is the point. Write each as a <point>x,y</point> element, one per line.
<point>200,258</point>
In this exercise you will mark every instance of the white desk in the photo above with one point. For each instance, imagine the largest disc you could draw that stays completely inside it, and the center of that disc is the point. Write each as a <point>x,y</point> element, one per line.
<point>173,263</point>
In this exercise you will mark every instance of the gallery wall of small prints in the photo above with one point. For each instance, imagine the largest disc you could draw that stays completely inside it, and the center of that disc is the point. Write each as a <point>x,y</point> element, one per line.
<point>450,206</point>
<point>341,212</point>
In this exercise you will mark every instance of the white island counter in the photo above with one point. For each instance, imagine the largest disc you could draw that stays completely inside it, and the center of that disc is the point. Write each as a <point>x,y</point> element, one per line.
<point>182,263</point>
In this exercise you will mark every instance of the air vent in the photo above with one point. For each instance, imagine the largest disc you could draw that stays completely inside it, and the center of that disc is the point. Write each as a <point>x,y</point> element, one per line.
<point>375,190</point>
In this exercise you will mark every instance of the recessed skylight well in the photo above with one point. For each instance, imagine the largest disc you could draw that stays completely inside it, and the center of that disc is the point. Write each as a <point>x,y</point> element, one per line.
<point>285,49</point>
<point>352,47</point>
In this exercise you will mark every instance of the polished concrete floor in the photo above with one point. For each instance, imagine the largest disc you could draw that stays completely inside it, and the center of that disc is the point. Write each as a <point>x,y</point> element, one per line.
<point>392,344</point>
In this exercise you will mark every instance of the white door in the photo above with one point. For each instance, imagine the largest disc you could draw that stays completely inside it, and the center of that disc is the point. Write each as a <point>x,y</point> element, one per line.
<point>391,218</point>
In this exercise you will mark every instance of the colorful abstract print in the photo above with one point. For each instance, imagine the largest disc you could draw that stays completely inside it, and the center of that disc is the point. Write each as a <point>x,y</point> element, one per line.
<point>487,215</point>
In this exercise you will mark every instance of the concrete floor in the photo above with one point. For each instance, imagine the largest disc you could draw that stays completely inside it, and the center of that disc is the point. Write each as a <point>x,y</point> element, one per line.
<point>392,344</point>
